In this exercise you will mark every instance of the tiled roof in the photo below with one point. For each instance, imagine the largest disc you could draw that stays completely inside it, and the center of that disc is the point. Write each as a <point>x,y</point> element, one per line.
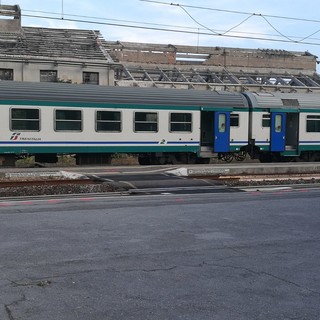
<point>59,43</point>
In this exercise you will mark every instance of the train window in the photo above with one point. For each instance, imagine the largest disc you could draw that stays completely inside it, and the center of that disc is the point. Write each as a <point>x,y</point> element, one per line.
<point>181,122</point>
<point>90,77</point>
<point>48,76</point>
<point>278,123</point>
<point>25,119</point>
<point>108,121</point>
<point>234,120</point>
<point>266,120</point>
<point>313,123</point>
<point>145,121</point>
<point>222,122</point>
<point>68,120</point>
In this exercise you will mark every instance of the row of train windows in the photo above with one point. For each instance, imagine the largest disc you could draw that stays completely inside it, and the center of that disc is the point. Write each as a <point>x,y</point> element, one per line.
<point>106,121</point>
<point>313,122</point>
<point>110,121</point>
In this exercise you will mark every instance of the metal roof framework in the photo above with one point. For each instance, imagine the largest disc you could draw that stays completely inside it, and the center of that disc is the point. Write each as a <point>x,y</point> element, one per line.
<point>209,79</point>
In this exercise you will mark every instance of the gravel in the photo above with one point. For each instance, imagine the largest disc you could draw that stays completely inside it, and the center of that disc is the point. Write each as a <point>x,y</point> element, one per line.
<point>47,189</point>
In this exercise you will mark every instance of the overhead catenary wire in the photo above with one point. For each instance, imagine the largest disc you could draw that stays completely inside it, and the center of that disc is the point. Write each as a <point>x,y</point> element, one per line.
<point>263,16</point>
<point>234,11</point>
<point>219,32</point>
<point>196,31</point>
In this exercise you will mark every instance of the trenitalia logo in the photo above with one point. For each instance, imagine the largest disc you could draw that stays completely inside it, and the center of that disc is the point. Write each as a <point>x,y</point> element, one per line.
<point>15,136</point>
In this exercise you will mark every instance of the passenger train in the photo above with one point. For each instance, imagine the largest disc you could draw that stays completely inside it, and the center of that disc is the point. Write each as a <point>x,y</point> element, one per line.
<point>159,125</point>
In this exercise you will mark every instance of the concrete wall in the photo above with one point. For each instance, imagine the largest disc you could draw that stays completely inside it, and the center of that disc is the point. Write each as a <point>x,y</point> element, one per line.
<point>30,71</point>
<point>262,59</point>
<point>213,56</point>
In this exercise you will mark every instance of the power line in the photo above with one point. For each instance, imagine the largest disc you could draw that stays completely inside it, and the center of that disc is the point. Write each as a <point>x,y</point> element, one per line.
<point>233,11</point>
<point>196,30</point>
<point>165,29</point>
<point>183,7</point>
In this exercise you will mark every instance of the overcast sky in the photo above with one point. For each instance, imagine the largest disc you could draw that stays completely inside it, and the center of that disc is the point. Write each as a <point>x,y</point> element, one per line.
<point>241,24</point>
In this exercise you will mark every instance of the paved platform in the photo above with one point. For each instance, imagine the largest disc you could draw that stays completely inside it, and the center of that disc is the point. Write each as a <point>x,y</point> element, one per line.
<point>254,168</point>
<point>228,169</point>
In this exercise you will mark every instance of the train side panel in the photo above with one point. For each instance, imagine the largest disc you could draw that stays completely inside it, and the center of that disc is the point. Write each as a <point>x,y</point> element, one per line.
<point>284,126</point>
<point>163,125</point>
<point>239,127</point>
<point>83,135</point>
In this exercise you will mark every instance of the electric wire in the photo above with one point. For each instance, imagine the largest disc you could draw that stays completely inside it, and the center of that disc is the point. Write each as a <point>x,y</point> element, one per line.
<point>233,11</point>
<point>263,16</point>
<point>167,30</point>
<point>161,28</point>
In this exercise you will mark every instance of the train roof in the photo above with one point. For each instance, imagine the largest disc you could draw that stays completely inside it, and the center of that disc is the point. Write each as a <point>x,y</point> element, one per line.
<point>285,101</point>
<point>83,93</point>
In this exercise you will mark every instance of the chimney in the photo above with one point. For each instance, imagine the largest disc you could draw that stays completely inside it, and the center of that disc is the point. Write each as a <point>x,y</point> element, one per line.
<point>10,18</point>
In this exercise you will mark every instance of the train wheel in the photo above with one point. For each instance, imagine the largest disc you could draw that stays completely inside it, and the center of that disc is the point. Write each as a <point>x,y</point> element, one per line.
<point>240,156</point>
<point>226,156</point>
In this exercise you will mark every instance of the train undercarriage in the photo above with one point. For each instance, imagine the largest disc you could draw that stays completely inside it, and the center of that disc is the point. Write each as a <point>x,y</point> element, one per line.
<point>162,158</point>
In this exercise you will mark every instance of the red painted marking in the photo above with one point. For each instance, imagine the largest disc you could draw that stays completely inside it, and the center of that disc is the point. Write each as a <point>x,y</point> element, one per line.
<point>27,202</point>
<point>54,200</point>
<point>5,204</point>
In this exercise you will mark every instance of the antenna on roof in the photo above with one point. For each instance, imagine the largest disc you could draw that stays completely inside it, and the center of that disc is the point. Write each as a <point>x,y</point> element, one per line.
<point>61,9</point>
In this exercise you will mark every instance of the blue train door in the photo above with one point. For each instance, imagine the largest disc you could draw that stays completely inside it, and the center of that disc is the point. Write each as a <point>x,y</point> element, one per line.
<point>278,131</point>
<point>221,132</point>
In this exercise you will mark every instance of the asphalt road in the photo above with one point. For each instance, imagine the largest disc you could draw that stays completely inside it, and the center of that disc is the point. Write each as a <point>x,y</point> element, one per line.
<point>246,255</point>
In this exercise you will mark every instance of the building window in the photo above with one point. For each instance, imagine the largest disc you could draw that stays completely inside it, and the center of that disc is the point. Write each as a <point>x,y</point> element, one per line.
<point>266,120</point>
<point>6,74</point>
<point>234,119</point>
<point>180,122</point>
<point>25,119</point>
<point>145,122</point>
<point>48,76</point>
<point>90,77</point>
<point>68,120</point>
<point>313,123</point>
<point>108,121</point>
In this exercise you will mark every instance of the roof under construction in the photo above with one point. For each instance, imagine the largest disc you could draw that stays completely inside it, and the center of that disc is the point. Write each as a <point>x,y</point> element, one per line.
<point>213,68</point>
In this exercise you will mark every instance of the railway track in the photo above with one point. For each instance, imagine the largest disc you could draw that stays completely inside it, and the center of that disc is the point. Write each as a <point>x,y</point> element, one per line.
<point>45,182</point>
<point>267,180</point>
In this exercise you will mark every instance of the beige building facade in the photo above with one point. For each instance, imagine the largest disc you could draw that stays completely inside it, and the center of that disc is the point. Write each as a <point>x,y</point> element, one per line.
<point>45,54</point>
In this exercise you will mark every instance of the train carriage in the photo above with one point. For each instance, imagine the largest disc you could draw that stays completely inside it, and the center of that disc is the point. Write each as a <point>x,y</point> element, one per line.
<point>284,126</point>
<point>94,122</point>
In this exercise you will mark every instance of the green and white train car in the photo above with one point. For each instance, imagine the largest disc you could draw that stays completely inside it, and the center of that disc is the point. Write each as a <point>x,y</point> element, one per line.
<point>94,122</point>
<point>284,126</point>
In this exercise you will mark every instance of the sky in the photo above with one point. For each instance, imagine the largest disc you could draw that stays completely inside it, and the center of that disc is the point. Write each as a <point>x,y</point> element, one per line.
<point>291,25</point>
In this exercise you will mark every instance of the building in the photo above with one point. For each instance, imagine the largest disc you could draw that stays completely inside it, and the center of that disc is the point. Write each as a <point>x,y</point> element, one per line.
<point>84,56</point>
<point>43,54</point>
<point>213,68</point>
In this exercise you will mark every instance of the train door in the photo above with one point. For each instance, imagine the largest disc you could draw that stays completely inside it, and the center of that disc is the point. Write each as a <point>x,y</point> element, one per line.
<point>292,131</point>
<point>278,131</point>
<point>221,132</point>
